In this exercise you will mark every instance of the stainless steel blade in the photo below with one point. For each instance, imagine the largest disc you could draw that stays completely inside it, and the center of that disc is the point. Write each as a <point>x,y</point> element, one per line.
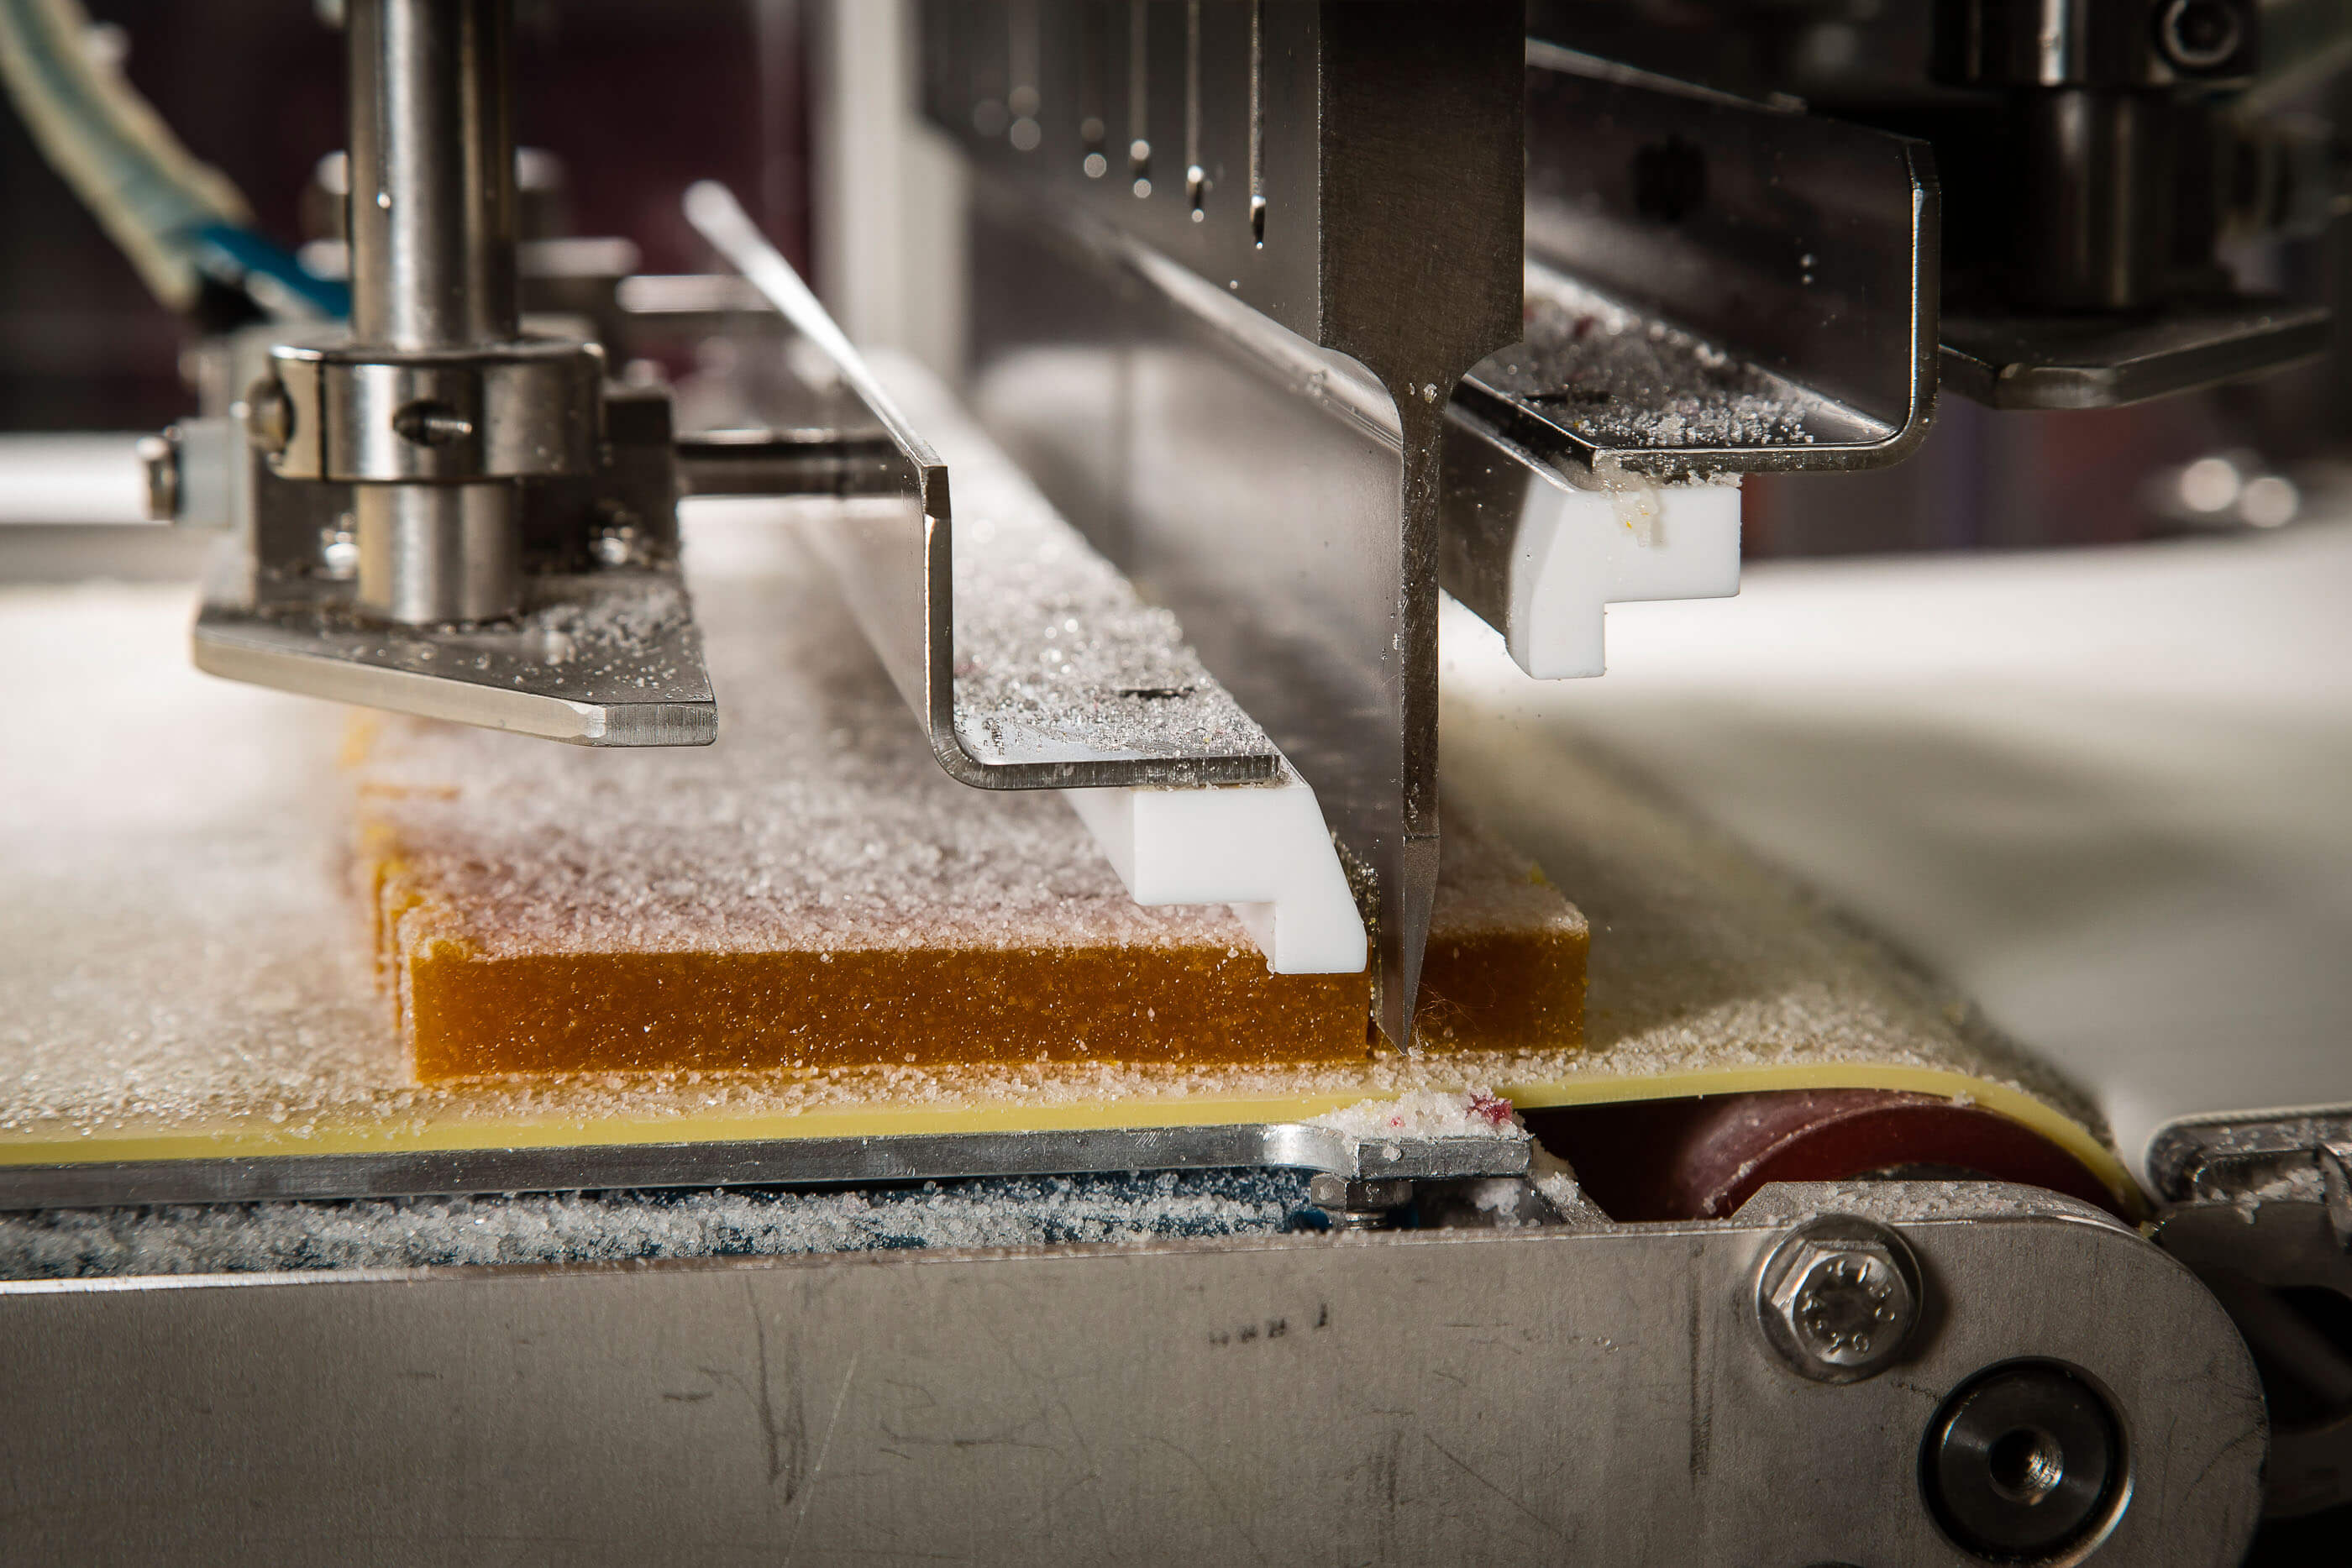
<point>1229,262</point>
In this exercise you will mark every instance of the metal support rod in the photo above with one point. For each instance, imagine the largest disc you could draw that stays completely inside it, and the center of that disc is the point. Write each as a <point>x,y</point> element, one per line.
<point>432,553</point>
<point>2100,178</point>
<point>432,174</point>
<point>431,195</point>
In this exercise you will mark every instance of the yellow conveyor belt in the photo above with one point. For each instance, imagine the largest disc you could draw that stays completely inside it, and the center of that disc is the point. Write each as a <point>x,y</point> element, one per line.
<point>180,974</point>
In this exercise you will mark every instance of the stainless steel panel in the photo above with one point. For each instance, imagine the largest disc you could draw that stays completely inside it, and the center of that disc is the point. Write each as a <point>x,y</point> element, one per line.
<point>608,658</point>
<point>1556,1394</point>
<point>2091,362</point>
<point>760,1162</point>
<point>892,546</point>
<point>1345,181</point>
<point>1253,481</point>
<point>1715,284</point>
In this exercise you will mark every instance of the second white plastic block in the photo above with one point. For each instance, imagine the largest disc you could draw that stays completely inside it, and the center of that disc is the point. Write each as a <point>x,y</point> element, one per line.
<point>1262,849</point>
<point>1579,551</point>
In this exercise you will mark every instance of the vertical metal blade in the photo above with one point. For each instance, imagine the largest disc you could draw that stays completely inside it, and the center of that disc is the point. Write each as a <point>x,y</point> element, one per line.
<point>1408,895</point>
<point>1228,264</point>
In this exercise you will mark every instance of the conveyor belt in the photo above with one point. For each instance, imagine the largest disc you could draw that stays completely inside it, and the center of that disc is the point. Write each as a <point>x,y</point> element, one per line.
<point>179,974</point>
<point>2101,791</point>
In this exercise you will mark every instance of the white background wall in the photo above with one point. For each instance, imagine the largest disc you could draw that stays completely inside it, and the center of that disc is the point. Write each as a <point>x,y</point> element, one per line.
<point>888,191</point>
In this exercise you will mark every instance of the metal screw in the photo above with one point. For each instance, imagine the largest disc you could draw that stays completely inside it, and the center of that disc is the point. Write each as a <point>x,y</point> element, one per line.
<point>268,416</point>
<point>2199,34</point>
<point>616,540</point>
<point>1837,1298</point>
<point>1356,1202</point>
<point>430,423</point>
<point>159,456</point>
<point>339,550</point>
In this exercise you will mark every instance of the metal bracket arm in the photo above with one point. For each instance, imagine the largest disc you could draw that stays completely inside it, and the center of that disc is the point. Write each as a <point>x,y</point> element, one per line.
<point>894,552</point>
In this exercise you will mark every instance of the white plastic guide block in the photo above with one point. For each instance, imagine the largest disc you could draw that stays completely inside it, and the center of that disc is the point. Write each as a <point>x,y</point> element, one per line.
<point>1262,848</point>
<point>1578,550</point>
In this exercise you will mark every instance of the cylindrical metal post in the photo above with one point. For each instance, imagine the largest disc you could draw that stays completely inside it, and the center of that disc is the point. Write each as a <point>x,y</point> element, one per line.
<point>432,174</point>
<point>2099,180</point>
<point>432,553</point>
<point>432,194</point>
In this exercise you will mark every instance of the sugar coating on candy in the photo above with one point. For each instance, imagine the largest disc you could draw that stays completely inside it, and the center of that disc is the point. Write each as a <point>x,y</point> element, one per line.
<point>179,956</point>
<point>814,892</point>
<point>810,891</point>
<point>818,819</point>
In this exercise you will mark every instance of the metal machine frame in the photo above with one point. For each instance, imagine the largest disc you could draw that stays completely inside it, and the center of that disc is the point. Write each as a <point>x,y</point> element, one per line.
<point>1248,283</point>
<point>1572,1388</point>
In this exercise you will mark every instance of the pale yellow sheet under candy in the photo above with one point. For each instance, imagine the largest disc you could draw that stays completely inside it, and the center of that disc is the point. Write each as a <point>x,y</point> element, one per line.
<point>180,976</point>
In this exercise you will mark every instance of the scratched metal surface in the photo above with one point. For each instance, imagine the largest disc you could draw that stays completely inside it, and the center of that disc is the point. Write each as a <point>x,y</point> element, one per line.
<point>1554,1394</point>
<point>1254,203</point>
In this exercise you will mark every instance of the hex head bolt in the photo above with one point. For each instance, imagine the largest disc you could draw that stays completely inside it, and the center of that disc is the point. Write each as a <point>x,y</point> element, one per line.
<point>1357,1203</point>
<point>1838,1297</point>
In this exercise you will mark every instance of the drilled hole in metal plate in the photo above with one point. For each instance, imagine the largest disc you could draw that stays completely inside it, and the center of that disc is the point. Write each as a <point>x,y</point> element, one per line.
<point>2026,1464</point>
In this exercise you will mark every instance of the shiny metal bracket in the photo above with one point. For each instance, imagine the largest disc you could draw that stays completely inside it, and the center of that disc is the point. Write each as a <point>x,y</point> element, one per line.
<point>1714,285</point>
<point>602,649</point>
<point>2201,1157</point>
<point>892,548</point>
<point>608,658</point>
<point>764,1162</point>
<point>2095,361</point>
<point>1345,180</point>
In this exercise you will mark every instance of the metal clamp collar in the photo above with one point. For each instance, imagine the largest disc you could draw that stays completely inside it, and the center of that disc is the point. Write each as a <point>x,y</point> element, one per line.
<point>340,411</point>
